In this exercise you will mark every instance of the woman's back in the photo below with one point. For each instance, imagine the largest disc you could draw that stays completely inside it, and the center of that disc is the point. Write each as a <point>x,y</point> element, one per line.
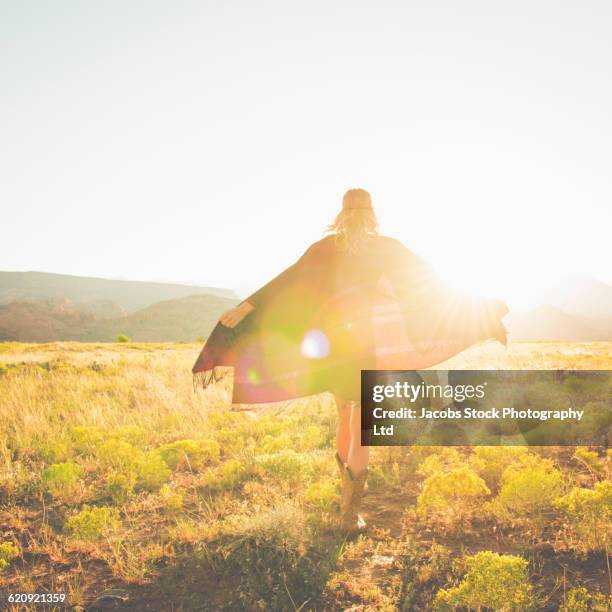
<point>365,272</point>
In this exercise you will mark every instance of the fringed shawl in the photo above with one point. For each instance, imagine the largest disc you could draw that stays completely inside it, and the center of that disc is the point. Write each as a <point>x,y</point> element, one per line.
<point>333,313</point>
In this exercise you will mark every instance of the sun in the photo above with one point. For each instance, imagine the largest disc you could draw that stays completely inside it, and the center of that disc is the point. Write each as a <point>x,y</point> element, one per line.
<point>517,282</point>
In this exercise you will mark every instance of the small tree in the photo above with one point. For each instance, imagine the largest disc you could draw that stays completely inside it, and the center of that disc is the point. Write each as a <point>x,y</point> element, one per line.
<point>123,338</point>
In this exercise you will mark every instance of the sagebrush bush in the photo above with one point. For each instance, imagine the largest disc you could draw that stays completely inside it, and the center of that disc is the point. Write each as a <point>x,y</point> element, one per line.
<point>61,479</point>
<point>322,495</point>
<point>120,485</point>
<point>527,494</point>
<point>228,475</point>
<point>311,438</point>
<point>190,454</point>
<point>385,476</point>
<point>591,460</point>
<point>589,514</point>
<point>270,426</point>
<point>286,466</point>
<point>580,600</point>
<point>93,523</point>
<point>119,454</point>
<point>492,582</point>
<point>172,499</point>
<point>231,441</point>
<point>8,552</point>
<point>444,460</point>
<point>86,438</point>
<point>273,444</point>
<point>152,472</point>
<point>451,498</point>
<point>490,462</point>
<point>55,452</point>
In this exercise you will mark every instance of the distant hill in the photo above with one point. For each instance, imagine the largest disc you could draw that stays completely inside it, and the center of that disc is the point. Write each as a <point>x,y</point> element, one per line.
<point>185,319</point>
<point>95,309</point>
<point>550,323</point>
<point>576,309</point>
<point>41,321</point>
<point>583,296</point>
<point>130,295</point>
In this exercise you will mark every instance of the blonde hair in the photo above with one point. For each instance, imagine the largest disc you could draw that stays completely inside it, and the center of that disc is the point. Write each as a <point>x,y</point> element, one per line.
<point>356,222</point>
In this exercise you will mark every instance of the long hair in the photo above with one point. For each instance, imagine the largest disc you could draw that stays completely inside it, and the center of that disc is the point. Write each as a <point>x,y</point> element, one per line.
<point>356,222</point>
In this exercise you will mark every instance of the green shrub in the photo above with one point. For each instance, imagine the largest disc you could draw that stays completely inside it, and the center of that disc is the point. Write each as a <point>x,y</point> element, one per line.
<point>444,460</point>
<point>93,523</point>
<point>55,452</point>
<point>8,552</point>
<point>86,438</point>
<point>152,472</point>
<point>322,495</point>
<point>229,475</point>
<point>527,494</point>
<point>190,454</point>
<point>120,486</point>
<point>591,460</point>
<point>274,444</point>
<point>492,582</point>
<point>286,466</point>
<point>268,425</point>
<point>61,479</point>
<point>384,476</point>
<point>451,498</point>
<point>312,438</point>
<point>580,600</point>
<point>172,500</point>
<point>230,441</point>
<point>119,455</point>
<point>122,338</point>
<point>589,513</point>
<point>490,462</point>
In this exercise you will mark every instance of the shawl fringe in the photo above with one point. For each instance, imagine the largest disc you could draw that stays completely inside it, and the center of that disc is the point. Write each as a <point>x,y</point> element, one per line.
<point>207,377</point>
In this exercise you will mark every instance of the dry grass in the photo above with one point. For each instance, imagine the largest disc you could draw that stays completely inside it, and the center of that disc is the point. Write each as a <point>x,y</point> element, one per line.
<point>171,534</point>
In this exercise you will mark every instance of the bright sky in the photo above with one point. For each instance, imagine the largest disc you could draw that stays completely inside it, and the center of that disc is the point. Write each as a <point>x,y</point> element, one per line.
<point>211,142</point>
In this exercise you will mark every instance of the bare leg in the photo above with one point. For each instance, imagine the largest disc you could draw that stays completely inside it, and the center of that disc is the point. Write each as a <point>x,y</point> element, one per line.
<point>352,462</point>
<point>358,455</point>
<point>343,431</point>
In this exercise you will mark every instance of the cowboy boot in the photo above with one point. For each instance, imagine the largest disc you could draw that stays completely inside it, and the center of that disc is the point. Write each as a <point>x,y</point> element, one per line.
<point>345,488</point>
<point>343,475</point>
<point>352,493</point>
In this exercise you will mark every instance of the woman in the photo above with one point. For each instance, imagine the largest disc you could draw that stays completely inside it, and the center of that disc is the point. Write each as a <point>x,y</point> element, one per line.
<point>354,301</point>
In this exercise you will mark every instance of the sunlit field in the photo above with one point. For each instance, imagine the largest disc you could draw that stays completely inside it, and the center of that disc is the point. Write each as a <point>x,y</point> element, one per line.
<point>125,489</point>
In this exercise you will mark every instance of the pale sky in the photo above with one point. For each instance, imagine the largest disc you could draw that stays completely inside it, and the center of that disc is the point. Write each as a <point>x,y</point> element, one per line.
<point>211,142</point>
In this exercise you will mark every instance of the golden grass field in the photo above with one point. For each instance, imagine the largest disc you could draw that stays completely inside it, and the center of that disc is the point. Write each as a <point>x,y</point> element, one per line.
<point>125,489</point>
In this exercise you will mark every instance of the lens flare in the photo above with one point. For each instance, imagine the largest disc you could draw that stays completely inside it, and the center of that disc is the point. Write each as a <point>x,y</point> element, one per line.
<point>315,345</point>
<point>253,376</point>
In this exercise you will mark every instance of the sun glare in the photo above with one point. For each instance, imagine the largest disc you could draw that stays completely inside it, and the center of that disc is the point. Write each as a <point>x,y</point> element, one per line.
<point>518,283</point>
